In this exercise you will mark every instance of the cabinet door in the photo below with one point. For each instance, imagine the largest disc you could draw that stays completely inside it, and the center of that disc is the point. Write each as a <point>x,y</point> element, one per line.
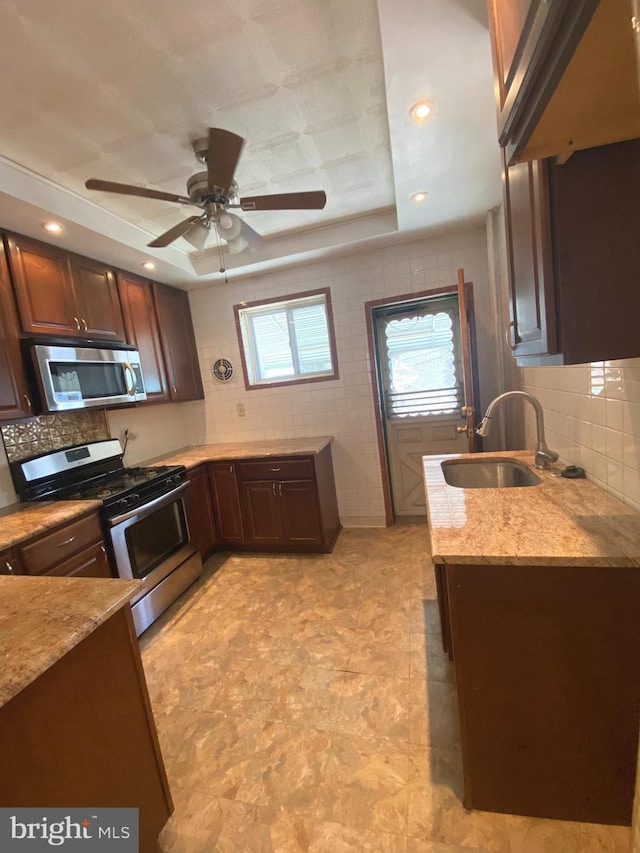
<point>530,259</point>
<point>141,328</point>
<point>178,343</point>
<point>261,513</point>
<point>226,500</point>
<point>98,304</point>
<point>300,513</point>
<point>199,506</point>
<point>90,563</point>
<point>43,288</point>
<point>14,395</point>
<point>532,43</point>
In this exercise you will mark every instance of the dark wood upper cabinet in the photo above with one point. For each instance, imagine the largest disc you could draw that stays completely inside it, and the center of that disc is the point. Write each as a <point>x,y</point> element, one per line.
<point>573,256</point>
<point>141,330</point>
<point>63,295</point>
<point>15,401</point>
<point>564,75</point>
<point>178,343</point>
<point>43,287</point>
<point>96,297</point>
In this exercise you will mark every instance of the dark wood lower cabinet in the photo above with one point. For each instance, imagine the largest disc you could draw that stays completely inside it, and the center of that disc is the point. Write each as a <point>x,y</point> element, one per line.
<point>82,734</point>
<point>547,661</point>
<point>226,499</point>
<point>283,504</point>
<point>199,506</point>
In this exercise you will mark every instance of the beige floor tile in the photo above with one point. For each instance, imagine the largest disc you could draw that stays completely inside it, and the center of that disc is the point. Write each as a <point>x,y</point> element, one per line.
<point>255,829</point>
<point>365,789</point>
<point>207,751</point>
<point>287,768</point>
<point>334,838</point>
<point>329,646</point>
<point>374,706</point>
<point>272,741</point>
<point>436,812</point>
<point>379,652</point>
<point>195,824</point>
<point>433,714</point>
<point>533,835</point>
<point>309,696</point>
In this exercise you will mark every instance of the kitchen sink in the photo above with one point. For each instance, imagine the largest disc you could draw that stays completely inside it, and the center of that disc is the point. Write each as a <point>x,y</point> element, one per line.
<point>488,474</point>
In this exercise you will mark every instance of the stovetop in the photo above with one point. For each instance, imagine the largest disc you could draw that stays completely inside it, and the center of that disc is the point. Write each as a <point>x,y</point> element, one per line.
<point>115,483</point>
<point>94,471</point>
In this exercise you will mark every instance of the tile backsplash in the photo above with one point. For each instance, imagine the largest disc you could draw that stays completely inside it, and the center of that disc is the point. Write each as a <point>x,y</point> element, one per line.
<point>53,432</point>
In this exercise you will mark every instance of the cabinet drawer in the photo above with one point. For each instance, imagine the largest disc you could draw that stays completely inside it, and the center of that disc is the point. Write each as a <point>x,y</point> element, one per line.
<point>276,469</point>
<point>48,551</point>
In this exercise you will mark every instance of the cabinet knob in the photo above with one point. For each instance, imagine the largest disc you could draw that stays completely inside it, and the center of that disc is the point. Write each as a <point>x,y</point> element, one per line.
<point>28,402</point>
<point>274,488</point>
<point>85,328</point>
<point>66,542</point>
<point>9,568</point>
<point>77,322</point>
<point>174,389</point>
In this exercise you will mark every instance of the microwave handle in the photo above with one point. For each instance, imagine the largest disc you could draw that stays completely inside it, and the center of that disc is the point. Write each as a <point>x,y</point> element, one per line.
<point>131,389</point>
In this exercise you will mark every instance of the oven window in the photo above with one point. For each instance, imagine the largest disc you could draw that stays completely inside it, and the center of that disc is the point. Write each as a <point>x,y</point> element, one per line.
<point>86,380</point>
<point>154,538</point>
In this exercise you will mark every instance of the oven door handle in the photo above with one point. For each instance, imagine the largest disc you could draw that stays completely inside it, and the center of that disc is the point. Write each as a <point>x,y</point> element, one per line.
<point>156,502</point>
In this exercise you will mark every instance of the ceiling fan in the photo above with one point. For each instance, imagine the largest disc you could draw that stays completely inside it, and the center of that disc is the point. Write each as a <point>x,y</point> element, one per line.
<point>215,192</point>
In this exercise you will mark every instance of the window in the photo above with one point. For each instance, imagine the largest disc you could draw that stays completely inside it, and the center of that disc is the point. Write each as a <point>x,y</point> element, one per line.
<point>287,340</point>
<point>421,364</point>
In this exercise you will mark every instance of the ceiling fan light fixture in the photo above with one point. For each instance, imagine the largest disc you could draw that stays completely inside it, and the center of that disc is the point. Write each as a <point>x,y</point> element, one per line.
<point>197,235</point>
<point>228,226</point>
<point>421,111</point>
<point>237,245</point>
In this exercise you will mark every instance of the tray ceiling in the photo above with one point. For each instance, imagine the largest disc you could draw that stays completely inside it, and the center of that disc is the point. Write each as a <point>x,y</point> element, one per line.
<point>320,90</point>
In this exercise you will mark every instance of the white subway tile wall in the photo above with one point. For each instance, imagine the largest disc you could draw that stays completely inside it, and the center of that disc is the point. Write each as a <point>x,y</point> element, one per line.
<point>592,418</point>
<point>343,407</point>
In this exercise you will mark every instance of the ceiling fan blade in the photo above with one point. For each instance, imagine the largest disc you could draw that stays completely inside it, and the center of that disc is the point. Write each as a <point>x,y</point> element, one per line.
<point>222,157</point>
<point>315,200</point>
<point>173,233</point>
<point>129,189</point>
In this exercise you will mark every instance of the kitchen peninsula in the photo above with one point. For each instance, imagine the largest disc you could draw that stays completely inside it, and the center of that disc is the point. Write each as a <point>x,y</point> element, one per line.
<point>539,595</point>
<point>76,727</point>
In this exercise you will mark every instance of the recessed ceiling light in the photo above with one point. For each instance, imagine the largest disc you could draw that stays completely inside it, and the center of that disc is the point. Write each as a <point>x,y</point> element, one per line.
<point>149,265</point>
<point>53,227</point>
<point>418,197</point>
<point>421,110</point>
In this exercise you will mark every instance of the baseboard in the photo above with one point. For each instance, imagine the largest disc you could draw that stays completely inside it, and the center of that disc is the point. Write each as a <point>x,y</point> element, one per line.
<point>363,521</point>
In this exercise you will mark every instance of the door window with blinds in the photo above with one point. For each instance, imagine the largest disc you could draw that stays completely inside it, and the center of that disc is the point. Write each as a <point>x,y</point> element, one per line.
<point>422,370</point>
<point>287,340</point>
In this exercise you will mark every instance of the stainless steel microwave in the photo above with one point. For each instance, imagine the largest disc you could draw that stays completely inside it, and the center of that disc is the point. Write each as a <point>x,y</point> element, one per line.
<point>77,377</point>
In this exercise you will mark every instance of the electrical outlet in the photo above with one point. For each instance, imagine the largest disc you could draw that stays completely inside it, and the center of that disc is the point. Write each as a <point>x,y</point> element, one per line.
<point>240,410</point>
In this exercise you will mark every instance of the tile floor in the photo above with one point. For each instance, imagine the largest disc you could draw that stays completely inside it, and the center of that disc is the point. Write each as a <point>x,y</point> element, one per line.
<point>305,704</point>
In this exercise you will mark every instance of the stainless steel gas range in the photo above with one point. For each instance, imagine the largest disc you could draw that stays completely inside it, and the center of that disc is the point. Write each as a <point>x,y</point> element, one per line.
<point>143,516</point>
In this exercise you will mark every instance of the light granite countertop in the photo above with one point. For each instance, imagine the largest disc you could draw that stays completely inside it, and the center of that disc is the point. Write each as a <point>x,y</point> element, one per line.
<point>23,521</point>
<point>559,522</point>
<point>43,618</point>
<point>190,457</point>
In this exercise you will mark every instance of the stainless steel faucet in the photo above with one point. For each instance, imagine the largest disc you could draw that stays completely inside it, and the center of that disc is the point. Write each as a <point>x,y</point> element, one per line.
<point>544,457</point>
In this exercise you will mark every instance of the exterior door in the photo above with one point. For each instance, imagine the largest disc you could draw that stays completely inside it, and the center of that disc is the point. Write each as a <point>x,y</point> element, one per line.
<point>419,352</point>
